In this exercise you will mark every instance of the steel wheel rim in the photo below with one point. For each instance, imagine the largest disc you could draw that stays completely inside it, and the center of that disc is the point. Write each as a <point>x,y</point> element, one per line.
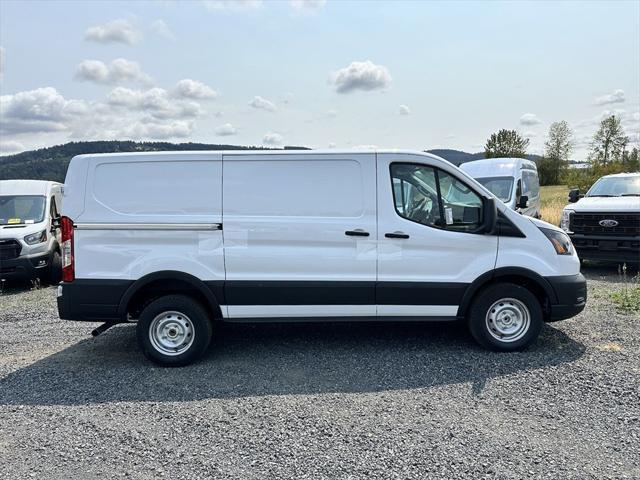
<point>171,333</point>
<point>508,320</point>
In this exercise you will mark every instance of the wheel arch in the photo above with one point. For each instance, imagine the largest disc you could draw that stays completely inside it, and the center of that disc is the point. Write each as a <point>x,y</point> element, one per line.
<point>168,282</point>
<point>538,285</point>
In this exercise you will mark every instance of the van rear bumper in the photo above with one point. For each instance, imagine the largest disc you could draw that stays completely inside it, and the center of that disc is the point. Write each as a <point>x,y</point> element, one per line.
<point>571,291</point>
<point>91,300</point>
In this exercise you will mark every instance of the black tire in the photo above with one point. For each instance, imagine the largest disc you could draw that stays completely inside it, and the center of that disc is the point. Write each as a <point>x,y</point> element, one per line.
<point>183,320</point>
<point>487,328</point>
<point>54,272</point>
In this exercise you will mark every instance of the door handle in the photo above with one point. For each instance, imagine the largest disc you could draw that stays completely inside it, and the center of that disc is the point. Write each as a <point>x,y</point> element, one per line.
<point>356,233</point>
<point>396,235</point>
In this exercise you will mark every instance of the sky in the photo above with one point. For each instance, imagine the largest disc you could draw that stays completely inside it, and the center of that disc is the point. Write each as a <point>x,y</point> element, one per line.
<point>322,74</point>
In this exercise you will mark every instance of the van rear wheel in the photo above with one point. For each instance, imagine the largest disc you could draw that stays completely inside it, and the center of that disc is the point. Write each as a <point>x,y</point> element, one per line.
<point>174,330</point>
<point>505,317</point>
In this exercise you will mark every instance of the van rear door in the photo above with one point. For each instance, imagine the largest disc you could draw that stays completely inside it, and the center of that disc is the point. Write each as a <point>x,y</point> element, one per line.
<point>300,234</point>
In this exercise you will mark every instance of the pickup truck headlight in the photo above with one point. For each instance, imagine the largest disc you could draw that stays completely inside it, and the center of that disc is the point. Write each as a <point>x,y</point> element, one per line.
<point>35,238</point>
<point>565,222</point>
<point>560,241</point>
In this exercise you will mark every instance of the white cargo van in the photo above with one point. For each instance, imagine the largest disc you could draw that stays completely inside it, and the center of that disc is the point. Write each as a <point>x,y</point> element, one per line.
<point>179,240</point>
<point>29,235</point>
<point>513,180</point>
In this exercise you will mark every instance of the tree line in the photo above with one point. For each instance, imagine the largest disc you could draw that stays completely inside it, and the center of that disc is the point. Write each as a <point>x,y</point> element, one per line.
<point>609,153</point>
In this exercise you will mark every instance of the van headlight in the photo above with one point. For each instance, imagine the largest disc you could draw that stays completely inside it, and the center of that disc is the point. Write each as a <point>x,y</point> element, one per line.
<point>560,241</point>
<point>565,221</point>
<point>35,238</point>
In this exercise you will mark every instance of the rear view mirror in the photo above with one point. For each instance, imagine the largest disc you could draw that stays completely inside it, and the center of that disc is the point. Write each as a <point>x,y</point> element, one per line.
<point>574,195</point>
<point>523,201</point>
<point>490,217</point>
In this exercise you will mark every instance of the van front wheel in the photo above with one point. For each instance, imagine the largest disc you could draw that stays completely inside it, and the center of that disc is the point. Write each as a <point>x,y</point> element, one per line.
<point>505,317</point>
<point>174,330</point>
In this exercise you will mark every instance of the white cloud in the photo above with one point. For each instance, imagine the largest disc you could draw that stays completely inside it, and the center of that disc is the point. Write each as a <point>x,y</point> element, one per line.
<point>10,147</point>
<point>116,31</point>
<point>616,97</point>
<point>307,6</point>
<point>272,139</point>
<point>148,128</point>
<point>231,5</point>
<point>365,147</point>
<point>361,76</point>
<point>156,102</point>
<point>262,104</point>
<point>119,70</point>
<point>530,134</point>
<point>1,61</point>
<point>331,145</point>
<point>39,110</point>
<point>404,110</point>
<point>332,113</point>
<point>160,28</point>
<point>226,130</point>
<point>529,119</point>
<point>188,88</point>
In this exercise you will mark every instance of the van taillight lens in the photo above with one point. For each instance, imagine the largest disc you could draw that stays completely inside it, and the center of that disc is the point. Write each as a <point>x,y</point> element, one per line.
<point>66,230</point>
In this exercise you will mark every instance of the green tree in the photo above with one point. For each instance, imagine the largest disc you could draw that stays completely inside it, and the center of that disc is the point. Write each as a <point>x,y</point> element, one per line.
<point>609,142</point>
<point>558,148</point>
<point>506,143</point>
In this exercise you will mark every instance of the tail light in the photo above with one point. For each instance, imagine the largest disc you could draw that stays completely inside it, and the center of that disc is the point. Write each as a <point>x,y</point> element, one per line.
<point>66,231</point>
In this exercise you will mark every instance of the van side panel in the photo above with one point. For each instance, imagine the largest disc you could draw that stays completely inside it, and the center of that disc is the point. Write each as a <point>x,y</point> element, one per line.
<point>286,223</point>
<point>144,214</point>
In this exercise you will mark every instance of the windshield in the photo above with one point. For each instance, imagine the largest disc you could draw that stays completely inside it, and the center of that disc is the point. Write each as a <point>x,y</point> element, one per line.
<point>500,186</point>
<point>616,187</point>
<point>21,209</point>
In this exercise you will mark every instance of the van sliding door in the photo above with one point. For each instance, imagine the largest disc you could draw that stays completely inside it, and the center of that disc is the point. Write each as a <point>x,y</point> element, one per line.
<point>300,235</point>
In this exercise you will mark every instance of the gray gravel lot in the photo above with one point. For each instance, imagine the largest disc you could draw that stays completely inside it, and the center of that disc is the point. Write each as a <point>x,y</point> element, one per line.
<point>321,401</point>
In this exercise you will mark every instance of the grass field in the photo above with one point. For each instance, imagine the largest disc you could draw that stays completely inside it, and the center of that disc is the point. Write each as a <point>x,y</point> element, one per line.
<point>554,198</point>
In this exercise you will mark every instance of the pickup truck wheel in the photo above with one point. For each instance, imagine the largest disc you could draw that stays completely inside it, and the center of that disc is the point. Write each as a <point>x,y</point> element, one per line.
<point>505,317</point>
<point>174,330</point>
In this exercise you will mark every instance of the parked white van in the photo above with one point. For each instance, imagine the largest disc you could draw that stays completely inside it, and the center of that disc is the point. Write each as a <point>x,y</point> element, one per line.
<point>513,180</point>
<point>29,235</point>
<point>179,240</point>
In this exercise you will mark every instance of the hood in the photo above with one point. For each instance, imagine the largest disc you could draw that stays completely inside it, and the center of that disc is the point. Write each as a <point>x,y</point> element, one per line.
<point>20,231</point>
<point>606,204</point>
<point>543,224</point>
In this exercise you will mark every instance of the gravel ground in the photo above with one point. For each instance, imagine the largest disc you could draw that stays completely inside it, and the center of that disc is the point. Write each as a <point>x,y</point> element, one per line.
<point>321,401</point>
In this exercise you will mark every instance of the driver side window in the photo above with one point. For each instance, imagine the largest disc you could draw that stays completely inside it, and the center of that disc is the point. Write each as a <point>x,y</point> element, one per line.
<point>434,198</point>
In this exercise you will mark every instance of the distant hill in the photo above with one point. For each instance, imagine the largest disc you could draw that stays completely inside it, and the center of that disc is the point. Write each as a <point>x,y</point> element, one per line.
<point>458,157</point>
<point>51,163</point>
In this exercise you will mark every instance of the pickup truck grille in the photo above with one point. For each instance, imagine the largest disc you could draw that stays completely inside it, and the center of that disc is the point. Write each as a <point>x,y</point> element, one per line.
<point>588,224</point>
<point>9,248</point>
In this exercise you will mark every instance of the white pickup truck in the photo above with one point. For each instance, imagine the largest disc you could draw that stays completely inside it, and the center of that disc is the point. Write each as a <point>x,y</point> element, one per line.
<point>604,224</point>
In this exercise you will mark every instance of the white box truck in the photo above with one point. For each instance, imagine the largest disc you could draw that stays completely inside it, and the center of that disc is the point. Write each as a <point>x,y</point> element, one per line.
<point>177,241</point>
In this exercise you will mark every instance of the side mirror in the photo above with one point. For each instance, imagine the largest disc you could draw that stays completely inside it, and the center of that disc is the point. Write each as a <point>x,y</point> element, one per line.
<point>55,224</point>
<point>574,195</point>
<point>490,215</point>
<point>523,201</point>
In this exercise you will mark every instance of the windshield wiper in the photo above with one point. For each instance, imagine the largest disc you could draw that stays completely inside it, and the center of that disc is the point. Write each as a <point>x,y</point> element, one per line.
<point>601,195</point>
<point>630,195</point>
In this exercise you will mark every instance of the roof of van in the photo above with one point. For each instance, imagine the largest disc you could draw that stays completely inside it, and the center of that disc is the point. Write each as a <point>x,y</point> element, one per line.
<point>331,151</point>
<point>26,187</point>
<point>497,167</point>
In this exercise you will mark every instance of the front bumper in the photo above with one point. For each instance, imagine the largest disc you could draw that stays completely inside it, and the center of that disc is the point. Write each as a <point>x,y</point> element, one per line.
<point>607,248</point>
<point>25,268</point>
<point>571,291</point>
